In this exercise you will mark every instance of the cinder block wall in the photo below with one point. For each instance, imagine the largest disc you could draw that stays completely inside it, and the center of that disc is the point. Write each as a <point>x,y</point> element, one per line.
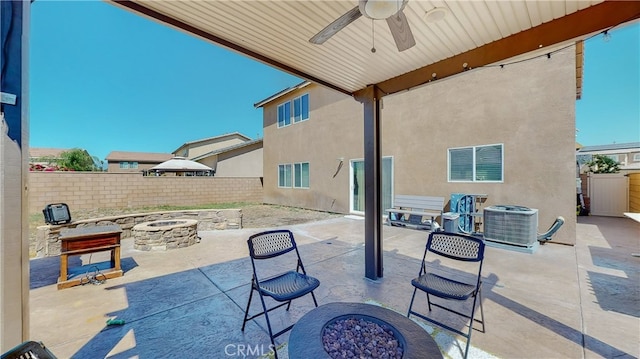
<point>87,190</point>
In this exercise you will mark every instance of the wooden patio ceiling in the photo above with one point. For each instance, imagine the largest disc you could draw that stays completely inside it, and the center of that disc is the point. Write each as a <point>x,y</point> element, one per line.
<point>474,32</point>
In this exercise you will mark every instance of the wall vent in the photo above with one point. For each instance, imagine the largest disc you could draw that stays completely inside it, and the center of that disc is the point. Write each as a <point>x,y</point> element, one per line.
<point>510,224</point>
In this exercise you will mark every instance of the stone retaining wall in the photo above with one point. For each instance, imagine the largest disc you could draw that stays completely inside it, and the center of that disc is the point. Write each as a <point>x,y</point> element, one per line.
<point>48,244</point>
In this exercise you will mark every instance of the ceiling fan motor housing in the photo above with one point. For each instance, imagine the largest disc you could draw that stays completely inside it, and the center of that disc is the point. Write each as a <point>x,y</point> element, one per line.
<point>381,9</point>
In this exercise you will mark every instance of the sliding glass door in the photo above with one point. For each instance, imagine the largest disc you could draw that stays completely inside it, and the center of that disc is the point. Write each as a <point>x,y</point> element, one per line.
<point>357,184</point>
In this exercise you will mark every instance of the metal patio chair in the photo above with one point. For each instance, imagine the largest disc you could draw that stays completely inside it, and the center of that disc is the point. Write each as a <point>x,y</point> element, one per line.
<point>29,350</point>
<point>435,278</point>
<point>282,287</point>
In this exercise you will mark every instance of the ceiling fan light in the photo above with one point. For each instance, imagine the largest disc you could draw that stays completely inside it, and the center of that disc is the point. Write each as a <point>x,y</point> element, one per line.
<point>436,14</point>
<point>380,9</point>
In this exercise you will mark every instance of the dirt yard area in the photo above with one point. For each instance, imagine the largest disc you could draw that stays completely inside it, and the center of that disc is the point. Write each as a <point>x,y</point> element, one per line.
<point>262,216</point>
<point>253,216</point>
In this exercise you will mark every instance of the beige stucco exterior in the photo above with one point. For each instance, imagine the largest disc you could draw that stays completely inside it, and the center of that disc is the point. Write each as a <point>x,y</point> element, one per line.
<point>136,162</point>
<point>198,148</point>
<point>115,167</point>
<point>242,162</point>
<point>528,107</point>
<point>333,131</point>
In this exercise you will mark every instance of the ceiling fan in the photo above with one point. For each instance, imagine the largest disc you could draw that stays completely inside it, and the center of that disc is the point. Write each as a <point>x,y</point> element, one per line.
<point>391,10</point>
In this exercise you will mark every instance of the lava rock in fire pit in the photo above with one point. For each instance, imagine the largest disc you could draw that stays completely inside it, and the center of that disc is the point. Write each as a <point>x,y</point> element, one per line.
<point>360,338</point>
<point>306,338</point>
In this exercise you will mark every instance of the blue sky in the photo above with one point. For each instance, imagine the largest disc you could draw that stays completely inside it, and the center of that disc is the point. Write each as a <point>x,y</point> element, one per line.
<point>609,110</point>
<point>104,79</point>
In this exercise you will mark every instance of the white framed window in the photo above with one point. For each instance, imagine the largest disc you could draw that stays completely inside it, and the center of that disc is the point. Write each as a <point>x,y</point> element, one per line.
<point>476,164</point>
<point>299,113</point>
<point>124,165</point>
<point>284,175</point>
<point>294,175</point>
<point>301,108</point>
<point>133,164</point>
<point>636,157</point>
<point>301,175</point>
<point>284,114</point>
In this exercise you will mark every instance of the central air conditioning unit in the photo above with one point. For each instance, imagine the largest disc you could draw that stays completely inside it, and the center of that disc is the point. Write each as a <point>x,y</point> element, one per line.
<point>510,224</point>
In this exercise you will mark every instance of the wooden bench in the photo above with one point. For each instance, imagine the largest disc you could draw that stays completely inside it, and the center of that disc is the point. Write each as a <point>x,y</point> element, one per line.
<point>413,211</point>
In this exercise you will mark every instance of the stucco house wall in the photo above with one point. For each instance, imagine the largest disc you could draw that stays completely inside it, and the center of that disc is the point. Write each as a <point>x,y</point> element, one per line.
<point>141,166</point>
<point>529,107</point>
<point>246,163</point>
<point>333,131</point>
<point>197,148</point>
<point>137,162</point>
<point>243,160</point>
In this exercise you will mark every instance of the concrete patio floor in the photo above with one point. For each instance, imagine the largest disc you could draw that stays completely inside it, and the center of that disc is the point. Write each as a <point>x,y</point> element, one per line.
<point>561,301</point>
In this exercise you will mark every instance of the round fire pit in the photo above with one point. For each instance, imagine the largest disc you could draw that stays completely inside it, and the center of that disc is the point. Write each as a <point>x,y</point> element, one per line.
<point>305,340</point>
<point>165,234</point>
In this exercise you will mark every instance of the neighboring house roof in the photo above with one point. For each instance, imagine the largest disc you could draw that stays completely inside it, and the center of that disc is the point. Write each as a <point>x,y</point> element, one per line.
<point>116,156</point>
<point>35,152</point>
<point>226,149</point>
<point>233,134</point>
<point>281,93</point>
<point>614,147</point>
<point>178,164</point>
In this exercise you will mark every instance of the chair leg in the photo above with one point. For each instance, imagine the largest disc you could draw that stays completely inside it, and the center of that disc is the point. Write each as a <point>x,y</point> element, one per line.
<point>411,303</point>
<point>246,312</point>
<point>481,311</point>
<point>266,316</point>
<point>473,310</point>
<point>428,301</point>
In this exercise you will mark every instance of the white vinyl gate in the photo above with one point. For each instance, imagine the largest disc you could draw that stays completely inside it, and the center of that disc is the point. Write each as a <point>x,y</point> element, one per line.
<point>609,194</point>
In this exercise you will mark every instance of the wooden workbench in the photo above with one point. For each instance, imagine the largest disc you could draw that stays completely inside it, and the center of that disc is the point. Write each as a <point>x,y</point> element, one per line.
<point>84,240</point>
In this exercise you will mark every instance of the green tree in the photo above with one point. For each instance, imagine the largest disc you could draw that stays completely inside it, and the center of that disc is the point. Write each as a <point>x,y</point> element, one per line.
<point>77,159</point>
<point>603,164</point>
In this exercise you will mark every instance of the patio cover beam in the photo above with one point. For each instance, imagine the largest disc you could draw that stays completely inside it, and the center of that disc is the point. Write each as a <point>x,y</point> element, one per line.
<point>568,28</point>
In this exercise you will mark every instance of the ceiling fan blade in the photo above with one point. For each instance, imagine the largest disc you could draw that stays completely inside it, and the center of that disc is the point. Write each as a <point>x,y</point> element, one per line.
<point>339,24</point>
<point>401,31</point>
